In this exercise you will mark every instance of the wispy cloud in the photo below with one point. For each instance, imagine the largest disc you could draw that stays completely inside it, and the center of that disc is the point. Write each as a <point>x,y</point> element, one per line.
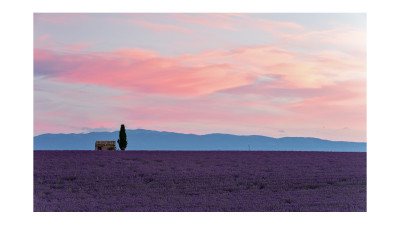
<point>48,43</point>
<point>205,73</point>
<point>293,80</point>
<point>133,70</point>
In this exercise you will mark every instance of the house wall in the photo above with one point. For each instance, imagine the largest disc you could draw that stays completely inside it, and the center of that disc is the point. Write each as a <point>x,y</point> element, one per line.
<point>104,145</point>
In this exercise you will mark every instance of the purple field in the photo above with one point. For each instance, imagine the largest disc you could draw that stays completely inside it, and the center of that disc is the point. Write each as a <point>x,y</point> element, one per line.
<point>177,181</point>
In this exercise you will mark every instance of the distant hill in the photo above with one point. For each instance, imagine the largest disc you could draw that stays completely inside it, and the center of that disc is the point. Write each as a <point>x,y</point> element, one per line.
<point>160,140</point>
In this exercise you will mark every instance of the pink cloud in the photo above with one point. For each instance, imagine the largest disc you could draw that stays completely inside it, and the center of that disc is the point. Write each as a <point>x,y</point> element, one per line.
<point>340,105</point>
<point>252,111</point>
<point>73,126</point>
<point>42,54</point>
<point>300,75</point>
<point>204,73</point>
<point>334,107</point>
<point>129,70</point>
<point>77,46</point>
<point>339,38</point>
<point>275,25</point>
<point>42,127</point>
<point>137,54</point>
<point>289,68</point>
<point>43,38</point>
<point>213,112</point>
<point>315,91</point>
<point>48,43</point>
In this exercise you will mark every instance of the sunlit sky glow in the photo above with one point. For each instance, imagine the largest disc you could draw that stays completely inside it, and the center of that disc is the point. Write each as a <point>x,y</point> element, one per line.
<point>276,75</point>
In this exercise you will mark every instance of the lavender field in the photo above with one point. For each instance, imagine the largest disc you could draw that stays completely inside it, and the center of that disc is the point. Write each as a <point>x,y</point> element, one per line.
<point>234,181</point>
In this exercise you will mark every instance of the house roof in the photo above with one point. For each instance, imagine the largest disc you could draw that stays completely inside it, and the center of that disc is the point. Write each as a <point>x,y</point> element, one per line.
<point>105,142</point>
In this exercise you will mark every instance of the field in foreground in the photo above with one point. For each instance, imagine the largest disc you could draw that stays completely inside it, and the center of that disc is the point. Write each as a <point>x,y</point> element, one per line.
<point>199,181</point>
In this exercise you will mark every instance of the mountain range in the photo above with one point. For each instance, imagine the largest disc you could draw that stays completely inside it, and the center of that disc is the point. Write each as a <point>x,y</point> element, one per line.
<point>141,139</point>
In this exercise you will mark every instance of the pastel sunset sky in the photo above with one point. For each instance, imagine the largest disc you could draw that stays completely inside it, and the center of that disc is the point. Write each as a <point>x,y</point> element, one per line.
<point>278,75</point>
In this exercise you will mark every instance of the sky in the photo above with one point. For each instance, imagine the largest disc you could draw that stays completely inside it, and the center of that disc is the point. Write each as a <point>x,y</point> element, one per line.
<point>278,75</point>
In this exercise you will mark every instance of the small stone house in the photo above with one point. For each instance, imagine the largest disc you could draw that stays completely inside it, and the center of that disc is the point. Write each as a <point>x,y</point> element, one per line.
<point>105,145</point>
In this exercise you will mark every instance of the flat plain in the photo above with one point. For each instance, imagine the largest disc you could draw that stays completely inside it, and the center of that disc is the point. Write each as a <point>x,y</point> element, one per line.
<point>217,181</point>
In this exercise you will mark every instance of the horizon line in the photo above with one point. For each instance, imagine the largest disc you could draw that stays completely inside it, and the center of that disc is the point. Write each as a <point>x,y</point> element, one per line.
<point>206,134</point>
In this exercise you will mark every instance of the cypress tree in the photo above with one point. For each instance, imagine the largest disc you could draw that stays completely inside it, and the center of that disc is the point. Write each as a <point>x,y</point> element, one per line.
<point>122,142</point>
